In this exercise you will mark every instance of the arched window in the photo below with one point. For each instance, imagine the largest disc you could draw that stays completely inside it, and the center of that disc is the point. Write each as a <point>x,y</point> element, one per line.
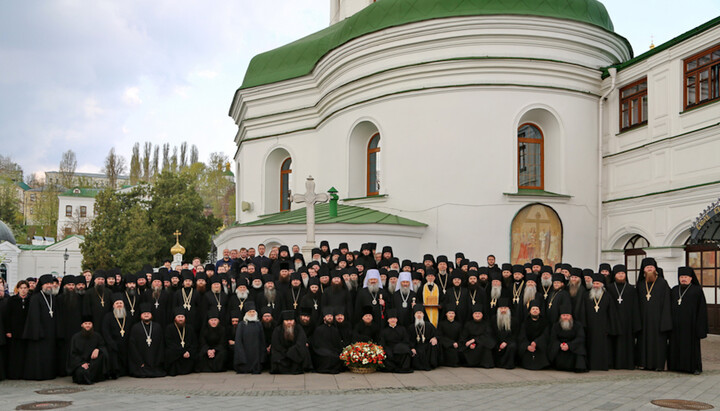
<point>373,175</point>
<point>285,172</point>
<point>634,253</point>
<point>530,157</point>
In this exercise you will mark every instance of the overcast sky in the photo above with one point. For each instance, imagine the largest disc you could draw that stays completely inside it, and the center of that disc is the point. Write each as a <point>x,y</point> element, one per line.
<point>90,75</point>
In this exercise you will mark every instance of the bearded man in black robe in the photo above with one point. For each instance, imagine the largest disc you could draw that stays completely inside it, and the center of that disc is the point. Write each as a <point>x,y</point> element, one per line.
<point>625,299</point>
<point>372,295</point>
<point>311,301</point>
<point>42,332</point>
<point>403,299</point>
<point>477,342</point>
<point>476,295</point>
<point>160,300</point>
<point>578,293</point>
<point>654,297</point>
<point>423,341</point>
<point>690,323</point>
<point>116,332</point>
<point>288,351</point>
<point>146,346</point>
<point>327,345</point>
<point>337,295</point>
<point>600,324</point>
<point>132,297</point>
<point>249,348</point>
<point>457,295</point>
<point>213,348</point>
<point>448,335</point>
<point>188,299</point>
<point>395,341</point>
<point>181,345</point>
<point>87,360</point>
<point>98,299</point>
<point>533,338</point>
<point>566,349</point>
<point>505,331</point>
<point>496,291</point>
<point>557,300</point>
<point>216,299</point>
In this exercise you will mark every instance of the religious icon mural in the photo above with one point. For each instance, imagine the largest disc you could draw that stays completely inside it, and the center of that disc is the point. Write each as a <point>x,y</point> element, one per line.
<point>536,233</point>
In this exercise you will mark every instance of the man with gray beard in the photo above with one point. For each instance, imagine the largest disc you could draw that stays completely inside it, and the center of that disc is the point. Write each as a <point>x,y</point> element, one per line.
<point>566,349</point>
<point>495,292</point>
<point>423,341</point>
<point>587,275</point>
<point>371,295</point>
<point>505,329</point>
<point>289,352</point>
<point>530,295</point>
<point>600,323</point>
<point>239,299</point>
<point>269,297</point>
<point>116,332</point>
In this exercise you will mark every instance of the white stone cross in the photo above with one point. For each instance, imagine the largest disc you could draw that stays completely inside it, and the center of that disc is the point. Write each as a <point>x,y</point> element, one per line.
<point>310,198</point>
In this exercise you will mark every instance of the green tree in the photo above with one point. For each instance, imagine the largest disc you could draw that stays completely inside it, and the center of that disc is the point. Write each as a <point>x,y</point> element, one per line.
<point>135,167</point>
<point>176,205</point>
<point>9,203</point>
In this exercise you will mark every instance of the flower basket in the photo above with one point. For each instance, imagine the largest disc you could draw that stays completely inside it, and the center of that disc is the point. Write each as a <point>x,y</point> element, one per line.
<point>363,358</point>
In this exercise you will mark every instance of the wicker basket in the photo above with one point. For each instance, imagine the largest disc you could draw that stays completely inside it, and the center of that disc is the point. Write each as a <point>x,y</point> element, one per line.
<point>362,370</point>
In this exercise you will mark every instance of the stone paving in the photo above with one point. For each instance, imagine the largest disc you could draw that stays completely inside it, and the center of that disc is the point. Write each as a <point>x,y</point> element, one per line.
<point>462,388</point>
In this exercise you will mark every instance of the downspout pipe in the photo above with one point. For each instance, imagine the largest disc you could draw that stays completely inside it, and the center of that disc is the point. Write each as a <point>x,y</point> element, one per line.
<point>613,76</point>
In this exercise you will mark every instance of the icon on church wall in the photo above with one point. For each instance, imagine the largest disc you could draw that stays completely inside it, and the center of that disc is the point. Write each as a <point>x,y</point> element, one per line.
<point>536,233</point>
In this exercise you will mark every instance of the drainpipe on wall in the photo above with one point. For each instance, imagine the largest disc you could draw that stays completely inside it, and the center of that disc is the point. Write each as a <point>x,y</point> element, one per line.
<point>613,73</point>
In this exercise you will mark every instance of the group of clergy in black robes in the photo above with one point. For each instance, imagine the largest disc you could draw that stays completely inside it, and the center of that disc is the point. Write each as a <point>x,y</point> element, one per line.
<point>289,316</point>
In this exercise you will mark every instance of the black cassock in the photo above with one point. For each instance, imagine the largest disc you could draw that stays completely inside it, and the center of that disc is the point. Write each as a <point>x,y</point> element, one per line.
<point>600,324</point>
<point>536,331</point>
<point>250,348</point>
<point>396,343</point>
<point>80,351</point>
<point>690,325</point>
<point>71,315</point>
<point>625,301</point>
<point>426,354</point>
<point>505,358</point>
<point>481,355</point>
<point>492,304</point>
<point>366,333</point>
<point>364,298</point>
<point>3,340</point>
<point>117,339</point>
<point>556,300</point>
<point>146,351</point>
<point>312,302</point>
<point>15,315</point>
<point>175,362</point>
<point>448,335</point>
<point>326,346</point>
<point>212,338</point>
<point>477,299</point>
<point>289,357</point>
<point>457,297</point>
<point>404,313</point>
<point>574,359</point>
<point>579,303</point>
<point>193,314</point>
<point>338,298</point>
<point>161,307</point>
<point>42,334</point>
<point>210,301</point>
<point>656,325</point>
<point>97,303</point>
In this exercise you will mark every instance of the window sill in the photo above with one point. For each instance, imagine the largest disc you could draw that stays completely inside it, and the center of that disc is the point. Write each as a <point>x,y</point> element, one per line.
<point>375,197</point>
<point>524,194</point>
<point>632,128</point>
<point>699,106</point>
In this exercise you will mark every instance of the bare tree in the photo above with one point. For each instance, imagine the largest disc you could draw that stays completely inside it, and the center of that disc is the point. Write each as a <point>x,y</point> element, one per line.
<point>135,170</point>
<point>147,152</point>
<point>174,160</point>
<point>166,157</point>
<point>114,167</point>
<point>156,162</point>
<point>194,155</point>
<point>183,155</point>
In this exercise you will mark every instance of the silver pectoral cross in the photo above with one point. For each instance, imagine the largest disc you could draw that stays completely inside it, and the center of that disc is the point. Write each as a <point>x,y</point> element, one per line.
<point>51,313</point>
<point>620,300</point>
<point>157,304</point>
<point>148,341</point>
<point>219,306</point>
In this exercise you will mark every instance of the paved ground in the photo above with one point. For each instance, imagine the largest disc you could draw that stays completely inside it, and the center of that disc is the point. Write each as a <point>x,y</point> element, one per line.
<point>462,388</point>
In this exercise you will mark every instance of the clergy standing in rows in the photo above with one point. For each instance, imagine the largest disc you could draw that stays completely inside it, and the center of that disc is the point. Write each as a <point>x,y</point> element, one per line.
<point>146,346</point>
<point>654,297</point>
<point>689,323</point>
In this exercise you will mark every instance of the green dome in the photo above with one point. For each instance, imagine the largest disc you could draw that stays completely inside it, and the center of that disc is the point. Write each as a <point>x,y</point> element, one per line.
<point>300,57</point>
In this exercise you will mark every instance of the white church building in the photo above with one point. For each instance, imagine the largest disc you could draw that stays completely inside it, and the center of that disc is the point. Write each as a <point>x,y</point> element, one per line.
<point>519,129</point>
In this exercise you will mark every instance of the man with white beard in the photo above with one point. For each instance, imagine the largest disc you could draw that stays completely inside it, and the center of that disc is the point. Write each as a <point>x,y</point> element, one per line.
<point>567,344</point>
<point>249,344</point>
<point>505,329</point>
<point>545,283</point>
<point>404,299</point>
<point>600,323</point>
<point>530,294</point>
<point>423,342</point>
<point>116,333</point>
<point>587,274</point>
<point>495,292</point>
<point>373,295</point>
<point>417,281</point>
<point>241,296</point>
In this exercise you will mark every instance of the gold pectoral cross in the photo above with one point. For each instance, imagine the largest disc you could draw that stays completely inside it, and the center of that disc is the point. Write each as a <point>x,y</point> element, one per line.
<point>597,308</point>
<point>294,305</point>
<point>182,344</point>
<point>648,296</point>
<point>122,333</point>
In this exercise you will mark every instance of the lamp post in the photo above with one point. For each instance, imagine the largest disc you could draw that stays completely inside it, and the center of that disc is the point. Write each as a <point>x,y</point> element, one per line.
<point>65,258</point>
